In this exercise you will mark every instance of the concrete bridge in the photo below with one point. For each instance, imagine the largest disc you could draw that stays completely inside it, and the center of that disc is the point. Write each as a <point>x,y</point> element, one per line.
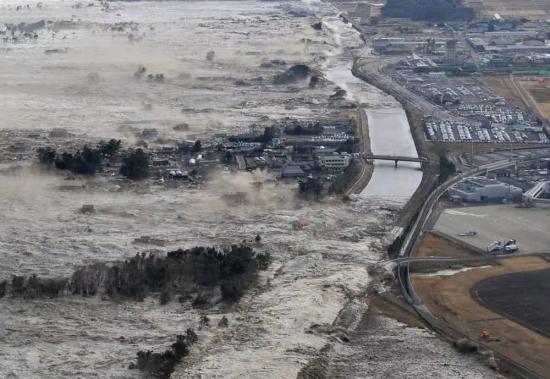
<point>395,158</point>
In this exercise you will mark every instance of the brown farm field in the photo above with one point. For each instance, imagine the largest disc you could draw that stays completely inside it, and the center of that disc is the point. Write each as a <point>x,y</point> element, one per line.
<point>540,92</point>
<point>530,9</point>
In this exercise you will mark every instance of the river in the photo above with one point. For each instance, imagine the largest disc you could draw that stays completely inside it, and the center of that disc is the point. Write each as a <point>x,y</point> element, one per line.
<point>389,129</point>
<point>390,135</point>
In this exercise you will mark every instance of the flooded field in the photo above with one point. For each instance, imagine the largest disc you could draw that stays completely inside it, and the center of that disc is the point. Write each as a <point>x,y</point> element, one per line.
<point>69,336</point>
<point>79,66</point>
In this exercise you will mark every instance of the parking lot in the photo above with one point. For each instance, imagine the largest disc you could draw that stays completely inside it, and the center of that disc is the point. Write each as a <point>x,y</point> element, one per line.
<point>480,114</point>
<point>529,226</point>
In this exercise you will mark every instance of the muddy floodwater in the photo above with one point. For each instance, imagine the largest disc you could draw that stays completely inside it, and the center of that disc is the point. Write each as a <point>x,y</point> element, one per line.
<point>77,72</point>
<point>70,74</point>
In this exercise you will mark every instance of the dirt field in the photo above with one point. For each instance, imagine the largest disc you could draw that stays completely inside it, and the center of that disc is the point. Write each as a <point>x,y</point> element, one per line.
<point>449,298</point>
<point>531,9</point>
<point>540,93</point>
<point>433,246</point>
<point>499,222</point>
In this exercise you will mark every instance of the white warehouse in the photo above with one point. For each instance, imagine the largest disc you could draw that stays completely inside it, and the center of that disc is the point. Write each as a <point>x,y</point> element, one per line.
<point>482,189</point>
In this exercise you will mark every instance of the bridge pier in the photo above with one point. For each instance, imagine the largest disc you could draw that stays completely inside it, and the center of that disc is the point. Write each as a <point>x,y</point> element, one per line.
<point>396,163</point>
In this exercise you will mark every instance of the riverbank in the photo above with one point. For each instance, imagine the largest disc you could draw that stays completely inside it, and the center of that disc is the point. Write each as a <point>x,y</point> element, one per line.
<point>386,130</point>
<point>414,116</point>
<point>361,181</point>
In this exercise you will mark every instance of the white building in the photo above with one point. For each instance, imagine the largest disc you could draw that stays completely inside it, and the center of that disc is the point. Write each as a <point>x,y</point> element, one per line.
<point>483,189</point>
<point>335,161</point>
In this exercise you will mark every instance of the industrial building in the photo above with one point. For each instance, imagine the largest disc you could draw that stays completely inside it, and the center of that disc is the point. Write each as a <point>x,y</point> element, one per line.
<point>508,42</point>
<point>398,45</point>
<point>481,189</point>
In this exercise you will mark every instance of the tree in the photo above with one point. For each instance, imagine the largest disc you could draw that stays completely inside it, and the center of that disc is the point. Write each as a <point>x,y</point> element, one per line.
<point>224,322</point>
<point>197,146</point>
<point>88,161</point>
<point>310,130</point>
<point>228,157</point>
<point>268,135</point>
<point>3,288</point>
<point>136,165</point>
<point>446,169</point>
<point>64,162</point>
<point>109,148</point>
<point>165,297</point>
<point>311,187</point>
<point>85,162</point>
<point>46,155</point>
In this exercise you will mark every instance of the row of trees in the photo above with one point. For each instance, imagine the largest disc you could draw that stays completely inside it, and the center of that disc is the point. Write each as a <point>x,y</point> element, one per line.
<point>311,188</point>
<point>89,161</point>
<point>446,169</point>
<point>199,270</point>
<point>84,162</point>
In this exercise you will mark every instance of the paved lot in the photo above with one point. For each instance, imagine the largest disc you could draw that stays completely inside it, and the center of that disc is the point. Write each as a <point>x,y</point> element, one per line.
<point>530,227</point>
